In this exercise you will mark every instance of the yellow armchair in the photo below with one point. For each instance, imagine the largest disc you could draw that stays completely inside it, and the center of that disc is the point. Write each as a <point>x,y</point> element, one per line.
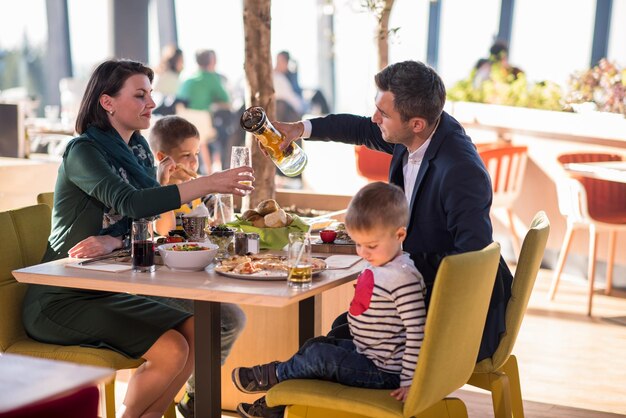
<point>24,237</point>
<point>499,374</point>
<point>454,327</point>
<point>46,198</point>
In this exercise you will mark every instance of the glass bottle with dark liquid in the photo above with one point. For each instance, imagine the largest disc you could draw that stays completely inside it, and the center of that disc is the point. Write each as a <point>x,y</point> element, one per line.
<point>292,160</point>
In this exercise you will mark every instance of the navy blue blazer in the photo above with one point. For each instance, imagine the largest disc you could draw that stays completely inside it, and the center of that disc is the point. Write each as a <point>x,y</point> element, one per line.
<point>449,207</point>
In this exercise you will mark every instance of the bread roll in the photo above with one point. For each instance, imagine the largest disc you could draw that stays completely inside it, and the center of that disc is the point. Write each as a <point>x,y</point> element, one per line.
<point>249,214</point>
<point>258,221</point>
<point>267,206</point>
<point>276,219</point>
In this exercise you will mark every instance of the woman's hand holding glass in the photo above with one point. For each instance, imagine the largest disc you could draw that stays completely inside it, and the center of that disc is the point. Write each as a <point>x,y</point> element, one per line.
<point>230,181</point>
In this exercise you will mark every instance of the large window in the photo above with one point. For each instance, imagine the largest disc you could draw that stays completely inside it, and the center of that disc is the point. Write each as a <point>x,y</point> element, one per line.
<point>212,25</point>
<point>551,39</point>
<point>468,29</point>
<point>90,34</point>
<point>617,46</point>
<point>23,37</point>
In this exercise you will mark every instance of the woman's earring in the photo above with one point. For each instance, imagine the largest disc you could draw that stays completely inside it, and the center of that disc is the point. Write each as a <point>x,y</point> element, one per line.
<point>111,112</point>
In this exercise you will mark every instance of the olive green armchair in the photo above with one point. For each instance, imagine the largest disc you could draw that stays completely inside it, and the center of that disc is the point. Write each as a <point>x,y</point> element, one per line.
<point>454,327</point>
<point>46,198</point>
<point>499,374</point>
<point>24,237</point>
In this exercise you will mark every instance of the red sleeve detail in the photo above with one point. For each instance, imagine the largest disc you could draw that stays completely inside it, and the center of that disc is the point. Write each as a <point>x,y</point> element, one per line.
<point>362,293</point>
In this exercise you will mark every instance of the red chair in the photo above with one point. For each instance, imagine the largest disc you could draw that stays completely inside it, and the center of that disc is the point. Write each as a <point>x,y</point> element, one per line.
<point>506,165</point>
<point>373,165</point>
<point>598,205</point>
<point>82,403</point>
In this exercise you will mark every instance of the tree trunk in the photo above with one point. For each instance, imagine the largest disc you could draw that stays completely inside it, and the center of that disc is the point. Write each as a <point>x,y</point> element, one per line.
<point>383,34</point>
<point>258,67</point>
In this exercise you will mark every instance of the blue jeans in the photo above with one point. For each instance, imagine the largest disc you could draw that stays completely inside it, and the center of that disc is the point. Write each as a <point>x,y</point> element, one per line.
<point>233,320</point>
<point>337,360</point>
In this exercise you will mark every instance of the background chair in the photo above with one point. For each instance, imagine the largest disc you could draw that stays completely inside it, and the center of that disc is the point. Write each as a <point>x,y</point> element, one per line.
<point>499,374</point>
<point>506,165</point>
<point>598,205</point>
<point>25,232</point>
<point>371,164</point>
<point>454,327</point>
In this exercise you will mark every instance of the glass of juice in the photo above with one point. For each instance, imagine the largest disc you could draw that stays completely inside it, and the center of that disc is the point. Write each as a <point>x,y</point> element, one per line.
<point>142,239</point>
<point>299,264</point>
<point>240,156</point>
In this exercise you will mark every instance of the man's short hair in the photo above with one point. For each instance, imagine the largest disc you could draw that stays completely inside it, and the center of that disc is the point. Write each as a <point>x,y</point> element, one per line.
<point>205,57</point>
<point>417,89</point>
<point>378,205</point>
<point>169,132</point>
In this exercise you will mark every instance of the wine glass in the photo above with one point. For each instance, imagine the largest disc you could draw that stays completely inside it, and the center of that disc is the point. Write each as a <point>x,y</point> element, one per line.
<point>240,156</point>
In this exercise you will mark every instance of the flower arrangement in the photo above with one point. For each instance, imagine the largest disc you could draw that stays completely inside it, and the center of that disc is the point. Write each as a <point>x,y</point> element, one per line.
<point>603,85</point>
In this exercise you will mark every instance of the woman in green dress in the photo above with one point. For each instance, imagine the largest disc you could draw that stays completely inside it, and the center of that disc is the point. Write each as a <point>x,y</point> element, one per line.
<point>106,179</point>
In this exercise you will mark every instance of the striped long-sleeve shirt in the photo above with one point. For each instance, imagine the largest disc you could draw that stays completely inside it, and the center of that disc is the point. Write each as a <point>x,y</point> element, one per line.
<point>387,316</point>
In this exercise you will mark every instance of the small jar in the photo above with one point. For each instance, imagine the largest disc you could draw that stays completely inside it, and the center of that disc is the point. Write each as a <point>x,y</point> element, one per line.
<point>254,243</point>
<point>241,243</point>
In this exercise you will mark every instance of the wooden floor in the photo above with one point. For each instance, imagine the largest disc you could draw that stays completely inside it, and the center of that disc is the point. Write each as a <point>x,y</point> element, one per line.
<point>570,365</point>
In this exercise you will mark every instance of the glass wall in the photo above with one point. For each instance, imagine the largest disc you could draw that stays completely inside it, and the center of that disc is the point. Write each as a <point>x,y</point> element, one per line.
<point>205,25</point>
<point>468,29</point>
<point>551,39</point>
<point>23,38</point>
<point>90,38</point>
<point>617,46</point>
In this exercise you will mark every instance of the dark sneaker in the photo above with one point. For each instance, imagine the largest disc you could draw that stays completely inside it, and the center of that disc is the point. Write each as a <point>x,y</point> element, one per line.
<point>255,379</point>
<point>186,406</point>
<point>260,409</point>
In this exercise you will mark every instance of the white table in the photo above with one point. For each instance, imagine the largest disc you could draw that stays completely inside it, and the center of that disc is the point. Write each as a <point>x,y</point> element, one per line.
<point>605,170</point>
<point>208,289</point>
<point>27,380</point>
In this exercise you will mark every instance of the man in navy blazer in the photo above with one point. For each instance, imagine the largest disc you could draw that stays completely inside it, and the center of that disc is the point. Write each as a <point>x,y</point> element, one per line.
<point>436,164</point>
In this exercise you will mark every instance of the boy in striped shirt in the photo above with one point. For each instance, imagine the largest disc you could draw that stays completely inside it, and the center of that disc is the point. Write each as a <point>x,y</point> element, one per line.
<point>386,317</point>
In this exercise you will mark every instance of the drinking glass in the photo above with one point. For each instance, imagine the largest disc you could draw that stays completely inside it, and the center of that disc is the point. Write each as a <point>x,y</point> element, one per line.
<point>223,209</point>
<point>299,263</point>
<point>142,239</point>
<point>240,156</point>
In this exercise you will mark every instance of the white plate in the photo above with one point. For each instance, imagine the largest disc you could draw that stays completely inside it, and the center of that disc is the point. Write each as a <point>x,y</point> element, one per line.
<point>261,275</point>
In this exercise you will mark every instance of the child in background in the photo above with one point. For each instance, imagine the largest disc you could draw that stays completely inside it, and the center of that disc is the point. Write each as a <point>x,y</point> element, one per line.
<point>178,139</point>
<point>386,317</point>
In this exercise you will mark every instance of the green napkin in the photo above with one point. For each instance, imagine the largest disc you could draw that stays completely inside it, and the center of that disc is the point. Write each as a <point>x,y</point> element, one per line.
<point>271,238</point>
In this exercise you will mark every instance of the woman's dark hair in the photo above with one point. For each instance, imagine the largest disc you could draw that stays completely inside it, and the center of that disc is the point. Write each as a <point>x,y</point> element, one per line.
<point>417,89</point>
<point>107,78</point>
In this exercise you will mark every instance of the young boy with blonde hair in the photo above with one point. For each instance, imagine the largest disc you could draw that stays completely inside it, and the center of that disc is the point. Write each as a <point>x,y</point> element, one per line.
<point>387,314</point>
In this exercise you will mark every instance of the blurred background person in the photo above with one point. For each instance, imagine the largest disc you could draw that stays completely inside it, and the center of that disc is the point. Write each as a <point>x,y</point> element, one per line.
<point>288,94</point>
<point>498,60</point>
<point>206,91</point>
<point>167,79</point>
